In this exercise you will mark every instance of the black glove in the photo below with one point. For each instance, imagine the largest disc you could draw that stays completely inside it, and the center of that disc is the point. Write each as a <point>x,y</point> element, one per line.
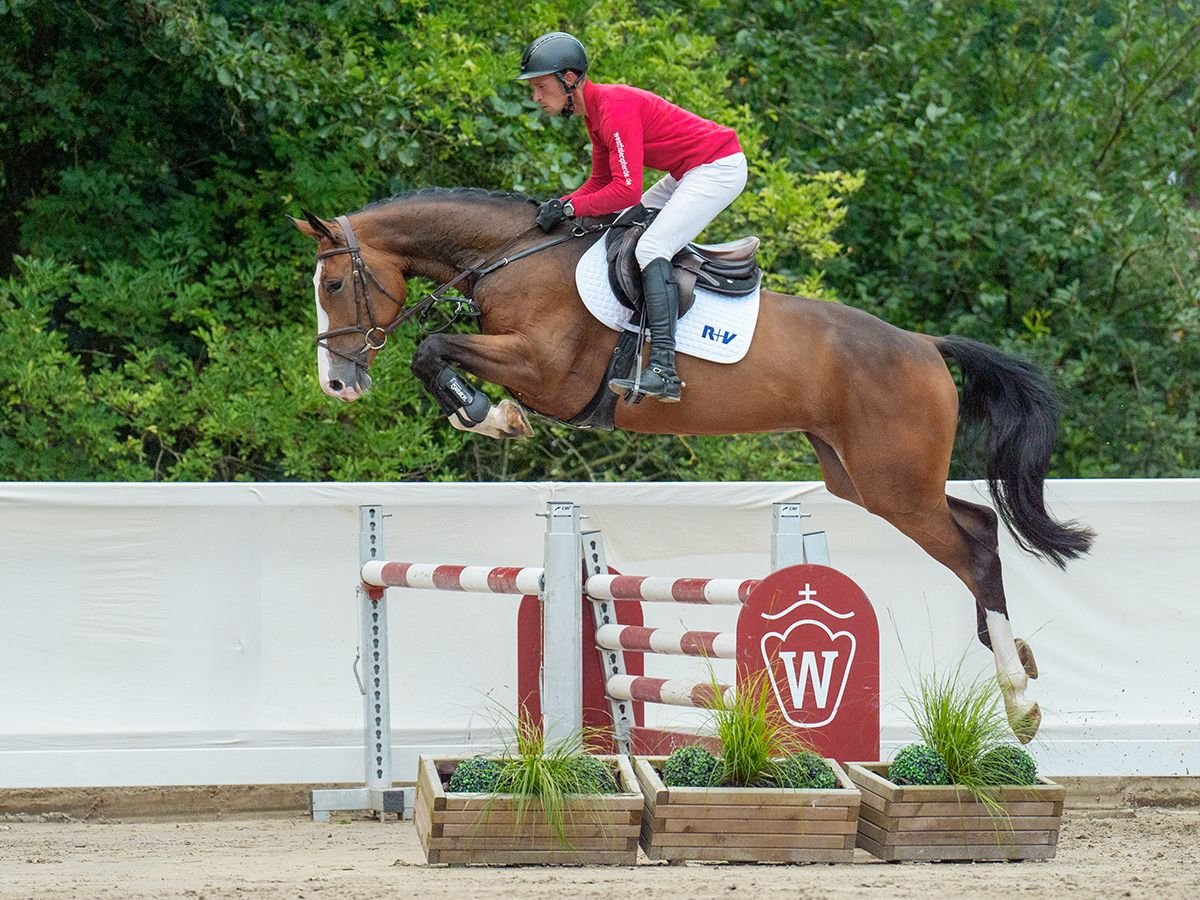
<point>551,213</point>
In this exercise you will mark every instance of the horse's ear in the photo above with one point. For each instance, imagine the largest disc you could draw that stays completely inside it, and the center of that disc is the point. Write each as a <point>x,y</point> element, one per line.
<point>313,227</point>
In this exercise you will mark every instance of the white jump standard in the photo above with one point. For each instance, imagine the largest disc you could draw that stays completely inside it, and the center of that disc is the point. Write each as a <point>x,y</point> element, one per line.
<point>378,795</point>
<point>558,586</point>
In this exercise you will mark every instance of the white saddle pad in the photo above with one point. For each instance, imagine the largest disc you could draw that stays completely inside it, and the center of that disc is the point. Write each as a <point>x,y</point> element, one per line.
<point>716,328</point>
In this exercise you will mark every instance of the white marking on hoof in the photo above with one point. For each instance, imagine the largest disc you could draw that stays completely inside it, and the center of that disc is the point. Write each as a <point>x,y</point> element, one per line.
<point>1024,716</point>
<point>504,420</point>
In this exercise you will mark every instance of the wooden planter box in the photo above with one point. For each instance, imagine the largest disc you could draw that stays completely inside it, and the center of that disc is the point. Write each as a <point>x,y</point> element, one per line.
<point>746,824</point>
<point>462,828</point>
<point>930,822</point>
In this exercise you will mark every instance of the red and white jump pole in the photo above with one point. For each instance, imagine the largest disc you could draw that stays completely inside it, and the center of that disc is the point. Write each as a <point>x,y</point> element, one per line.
<point>620,682</point>
<point>635,638</point>
<point>475,579</point>
<point>653,589</point>
<point>672,691</point>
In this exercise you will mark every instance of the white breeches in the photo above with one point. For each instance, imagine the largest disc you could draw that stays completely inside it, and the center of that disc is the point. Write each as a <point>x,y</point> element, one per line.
<point>688,204</point>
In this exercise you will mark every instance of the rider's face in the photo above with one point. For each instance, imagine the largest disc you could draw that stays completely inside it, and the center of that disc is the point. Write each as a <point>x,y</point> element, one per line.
<point>549,94</point>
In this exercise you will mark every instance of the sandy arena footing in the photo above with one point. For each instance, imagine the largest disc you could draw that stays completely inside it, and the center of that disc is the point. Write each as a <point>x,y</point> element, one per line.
<point>1131,852</point>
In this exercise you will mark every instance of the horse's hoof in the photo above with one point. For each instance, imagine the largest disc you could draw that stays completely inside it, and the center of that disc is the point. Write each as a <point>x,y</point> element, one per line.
<point>1025,654</point>
<point>516,423</point>
<point>1026,726</point>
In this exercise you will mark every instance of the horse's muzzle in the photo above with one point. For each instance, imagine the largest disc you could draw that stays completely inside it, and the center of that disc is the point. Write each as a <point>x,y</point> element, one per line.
<point>349,384</point>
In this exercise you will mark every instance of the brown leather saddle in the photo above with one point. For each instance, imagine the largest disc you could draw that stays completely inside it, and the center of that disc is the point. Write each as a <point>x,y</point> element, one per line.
<point>730,268</point>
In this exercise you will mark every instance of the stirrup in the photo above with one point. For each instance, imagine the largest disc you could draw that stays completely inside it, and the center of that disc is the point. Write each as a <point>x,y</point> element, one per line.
<point>661,384</point>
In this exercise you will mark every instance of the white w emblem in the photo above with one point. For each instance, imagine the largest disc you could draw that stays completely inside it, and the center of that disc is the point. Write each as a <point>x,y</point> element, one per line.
<point>808,672</point>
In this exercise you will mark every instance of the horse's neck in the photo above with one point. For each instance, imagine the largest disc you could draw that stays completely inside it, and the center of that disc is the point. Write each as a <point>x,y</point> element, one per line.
<point>439,240</point>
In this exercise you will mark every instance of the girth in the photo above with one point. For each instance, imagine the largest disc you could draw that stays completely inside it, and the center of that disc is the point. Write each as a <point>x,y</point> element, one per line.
<point>729,268</point>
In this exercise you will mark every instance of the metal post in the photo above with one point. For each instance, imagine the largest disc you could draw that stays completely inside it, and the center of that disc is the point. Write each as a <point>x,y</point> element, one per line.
<point>816,550</point>
<point>562,624</point>
<point>787,537</point>
<point>377,726</point>
<point>612,662</point>
<point>378,795</point>
<point>790,545</point>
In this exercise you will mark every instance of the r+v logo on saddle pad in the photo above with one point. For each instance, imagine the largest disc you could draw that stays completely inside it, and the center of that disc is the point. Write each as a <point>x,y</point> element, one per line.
<point>710,332</point>
<point>717,328</point>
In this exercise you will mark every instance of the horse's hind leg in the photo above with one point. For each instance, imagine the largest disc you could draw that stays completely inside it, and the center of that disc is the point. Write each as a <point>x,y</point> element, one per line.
<point>1014,658</point>
<point>1023,650</point>
<point>898,473</point>
<point>962,537</point>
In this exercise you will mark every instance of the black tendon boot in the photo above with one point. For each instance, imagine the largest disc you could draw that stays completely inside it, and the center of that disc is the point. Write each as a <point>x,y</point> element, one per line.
<point>662,311</point>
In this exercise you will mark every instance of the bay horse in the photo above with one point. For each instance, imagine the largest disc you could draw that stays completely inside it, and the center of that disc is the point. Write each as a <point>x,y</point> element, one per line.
<point>877,403</point>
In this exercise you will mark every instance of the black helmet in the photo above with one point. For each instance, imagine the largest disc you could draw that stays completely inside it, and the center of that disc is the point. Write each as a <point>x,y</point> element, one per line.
<point>553,54</point>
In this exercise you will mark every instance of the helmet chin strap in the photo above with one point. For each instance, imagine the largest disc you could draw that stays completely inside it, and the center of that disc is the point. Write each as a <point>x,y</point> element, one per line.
<point>569,109</point>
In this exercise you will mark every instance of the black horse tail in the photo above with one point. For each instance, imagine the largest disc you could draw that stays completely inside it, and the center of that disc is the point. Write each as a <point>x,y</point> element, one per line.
<point>1016,404</point>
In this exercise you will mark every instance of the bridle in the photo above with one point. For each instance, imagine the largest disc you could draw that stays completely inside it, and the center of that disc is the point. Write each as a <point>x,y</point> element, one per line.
<point>375,335</point>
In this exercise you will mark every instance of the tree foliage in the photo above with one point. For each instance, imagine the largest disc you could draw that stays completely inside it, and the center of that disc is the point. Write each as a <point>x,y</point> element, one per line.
<point>1030,182</point>
<point>1024,176</point>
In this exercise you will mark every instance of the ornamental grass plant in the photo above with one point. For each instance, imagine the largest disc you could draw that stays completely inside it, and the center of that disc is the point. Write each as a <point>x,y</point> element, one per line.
<point>963,720</point>
<point>758,746</point>
<point>550,777</point>
<point>767,798</point>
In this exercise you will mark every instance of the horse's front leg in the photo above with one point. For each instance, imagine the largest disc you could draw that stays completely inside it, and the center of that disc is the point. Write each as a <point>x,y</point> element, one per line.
<point>490,357</point>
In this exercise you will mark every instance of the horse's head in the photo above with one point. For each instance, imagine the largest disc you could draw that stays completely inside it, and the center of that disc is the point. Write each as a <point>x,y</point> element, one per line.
<point>360,292</point>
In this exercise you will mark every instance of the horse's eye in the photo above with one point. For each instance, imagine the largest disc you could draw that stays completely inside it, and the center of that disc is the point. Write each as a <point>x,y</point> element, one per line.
<point>333,286</point>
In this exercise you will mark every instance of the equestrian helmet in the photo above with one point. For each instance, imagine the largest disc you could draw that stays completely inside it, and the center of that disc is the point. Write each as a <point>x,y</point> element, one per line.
<point>553,54</point>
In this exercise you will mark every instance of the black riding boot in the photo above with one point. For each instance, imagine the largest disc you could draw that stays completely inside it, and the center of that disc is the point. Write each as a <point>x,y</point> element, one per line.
<point>662,311</point>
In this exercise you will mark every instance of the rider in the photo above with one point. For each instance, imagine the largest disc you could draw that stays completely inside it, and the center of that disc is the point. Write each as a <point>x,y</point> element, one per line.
<point>630,128</point>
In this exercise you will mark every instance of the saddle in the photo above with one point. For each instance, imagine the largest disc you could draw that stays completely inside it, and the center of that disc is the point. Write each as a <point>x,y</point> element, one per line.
<point>729,268</point>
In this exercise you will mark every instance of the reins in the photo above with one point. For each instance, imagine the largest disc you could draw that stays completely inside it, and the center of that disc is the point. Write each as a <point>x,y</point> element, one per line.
<point>375,336</point>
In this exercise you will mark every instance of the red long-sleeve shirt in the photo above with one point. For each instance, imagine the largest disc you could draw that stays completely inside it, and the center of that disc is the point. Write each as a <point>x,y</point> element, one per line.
<point>631,128</point>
